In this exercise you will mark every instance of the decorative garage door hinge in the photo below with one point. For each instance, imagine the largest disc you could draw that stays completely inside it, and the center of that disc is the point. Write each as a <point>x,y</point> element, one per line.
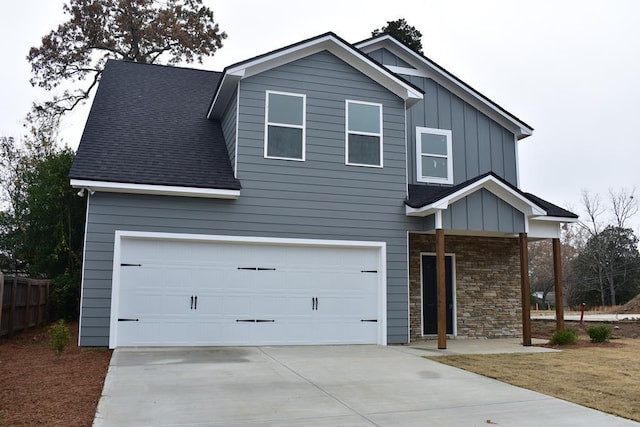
<point>368,320</point>
<point>255,320</point>
<point>257,268</point>
<point>128,320</point>
<point>368,271</point>
<point>124,264</point>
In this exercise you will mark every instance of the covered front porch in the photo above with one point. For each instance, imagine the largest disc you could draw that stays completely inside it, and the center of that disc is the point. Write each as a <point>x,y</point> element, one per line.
<point>468,266</point>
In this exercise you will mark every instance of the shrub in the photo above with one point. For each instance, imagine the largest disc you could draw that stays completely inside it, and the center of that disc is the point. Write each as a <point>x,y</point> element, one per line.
<point>59,336</point>
<point>564,337</point>
<point>600,333</point>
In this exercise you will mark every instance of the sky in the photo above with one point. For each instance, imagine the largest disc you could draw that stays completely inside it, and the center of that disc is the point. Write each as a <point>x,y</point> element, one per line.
<point>570,69</point>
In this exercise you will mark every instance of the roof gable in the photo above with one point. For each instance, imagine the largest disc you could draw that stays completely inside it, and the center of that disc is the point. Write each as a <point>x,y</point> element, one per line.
<point>425,67</point>
<point>329,42</point>
<point>425,200</point>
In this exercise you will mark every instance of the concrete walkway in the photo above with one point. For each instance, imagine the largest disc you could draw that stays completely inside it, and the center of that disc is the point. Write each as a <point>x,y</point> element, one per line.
<point>318,386</point>
<point>477,346</point>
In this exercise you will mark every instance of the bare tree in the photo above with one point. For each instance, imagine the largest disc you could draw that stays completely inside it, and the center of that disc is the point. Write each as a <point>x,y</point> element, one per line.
<point>623,204</point>
<point>608,240</point>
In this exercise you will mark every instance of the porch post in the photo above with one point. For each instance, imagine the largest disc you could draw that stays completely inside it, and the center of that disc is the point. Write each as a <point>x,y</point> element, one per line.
<point>557,284</point>
<point>441,294</point>
<point>526,292</point>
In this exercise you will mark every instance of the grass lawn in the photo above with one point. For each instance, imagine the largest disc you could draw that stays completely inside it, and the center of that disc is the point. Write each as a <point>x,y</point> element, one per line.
<point>603,377</point>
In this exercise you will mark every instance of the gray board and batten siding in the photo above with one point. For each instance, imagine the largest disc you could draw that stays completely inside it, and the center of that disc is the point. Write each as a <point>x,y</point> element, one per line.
<point>320,198</point>
<point>480,211</point>
<point>385,57</point>
<point>480,144</point>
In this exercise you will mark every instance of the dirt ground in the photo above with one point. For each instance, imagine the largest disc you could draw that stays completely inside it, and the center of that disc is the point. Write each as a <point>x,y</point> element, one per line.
<point>631,307</point>
<point>39,389</point>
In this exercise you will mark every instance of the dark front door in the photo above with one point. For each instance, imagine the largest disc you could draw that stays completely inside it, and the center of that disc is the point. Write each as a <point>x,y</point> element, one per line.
<point>429,299</point>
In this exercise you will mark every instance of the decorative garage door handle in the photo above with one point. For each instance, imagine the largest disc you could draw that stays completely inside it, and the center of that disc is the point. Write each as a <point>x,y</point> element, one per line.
<point>191,303</point>
<point>194,302</point>
<point>314,303</point>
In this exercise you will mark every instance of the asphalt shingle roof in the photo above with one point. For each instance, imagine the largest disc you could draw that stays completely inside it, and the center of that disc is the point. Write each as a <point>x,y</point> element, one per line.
<point>423,195</point>
<point>148,125</point>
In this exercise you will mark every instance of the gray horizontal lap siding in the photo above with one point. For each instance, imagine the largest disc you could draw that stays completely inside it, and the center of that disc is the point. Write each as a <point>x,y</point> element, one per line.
<point>320,198</point>
<point>229,127</point>
<point>480,144</point>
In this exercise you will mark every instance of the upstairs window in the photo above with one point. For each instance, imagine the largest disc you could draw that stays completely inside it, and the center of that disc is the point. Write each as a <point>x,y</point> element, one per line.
<point>434,161</point>
<point>364,134</point>
<point>285,126</point>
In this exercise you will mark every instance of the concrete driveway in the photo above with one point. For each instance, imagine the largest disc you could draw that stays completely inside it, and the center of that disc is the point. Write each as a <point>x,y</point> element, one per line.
<point>317,386</point>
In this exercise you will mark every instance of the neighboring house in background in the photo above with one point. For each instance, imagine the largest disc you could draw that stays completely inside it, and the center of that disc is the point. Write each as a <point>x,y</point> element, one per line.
<point>294,198</point>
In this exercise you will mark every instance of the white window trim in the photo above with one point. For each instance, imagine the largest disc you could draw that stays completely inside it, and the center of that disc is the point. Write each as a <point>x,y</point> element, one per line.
<point>347,132</point>
<point>449,156</point>
<point>285,125</point>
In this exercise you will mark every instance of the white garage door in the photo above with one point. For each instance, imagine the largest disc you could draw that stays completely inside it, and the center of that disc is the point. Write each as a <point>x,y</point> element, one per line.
<point>173,292</point>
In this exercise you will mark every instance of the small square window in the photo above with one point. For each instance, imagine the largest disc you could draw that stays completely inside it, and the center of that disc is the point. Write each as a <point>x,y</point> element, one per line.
<point>434,162</point>
<point>363,134</point>
<point>285,126</point>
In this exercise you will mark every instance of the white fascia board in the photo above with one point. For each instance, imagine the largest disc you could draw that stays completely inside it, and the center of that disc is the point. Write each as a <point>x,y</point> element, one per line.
<point>423,211</point>
<point>223,95</point>
<point>490,184</point>
<point>259,65</point>
<point>559,219</point>
<point>426,68</point>
<point>162,190</point>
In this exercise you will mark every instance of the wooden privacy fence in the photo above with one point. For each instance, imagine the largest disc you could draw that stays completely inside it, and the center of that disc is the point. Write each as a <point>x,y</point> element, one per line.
<point>23,303</point>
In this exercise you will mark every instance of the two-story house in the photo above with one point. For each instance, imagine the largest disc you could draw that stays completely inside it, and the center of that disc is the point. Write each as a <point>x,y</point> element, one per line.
<point>322,193</point>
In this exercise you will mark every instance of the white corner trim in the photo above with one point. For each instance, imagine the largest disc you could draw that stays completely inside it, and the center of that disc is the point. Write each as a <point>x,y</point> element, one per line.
<point>235,159</point>
<point>115,291</point>
<point>162,190</point>
<point>490,184</point>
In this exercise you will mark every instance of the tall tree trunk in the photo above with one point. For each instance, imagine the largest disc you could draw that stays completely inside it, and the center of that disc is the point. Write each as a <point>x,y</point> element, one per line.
<point>601,281</point>
<point>612,289</point>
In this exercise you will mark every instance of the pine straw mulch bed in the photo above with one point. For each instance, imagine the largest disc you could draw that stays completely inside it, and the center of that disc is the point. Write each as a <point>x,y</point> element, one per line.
<point>38,388</point>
